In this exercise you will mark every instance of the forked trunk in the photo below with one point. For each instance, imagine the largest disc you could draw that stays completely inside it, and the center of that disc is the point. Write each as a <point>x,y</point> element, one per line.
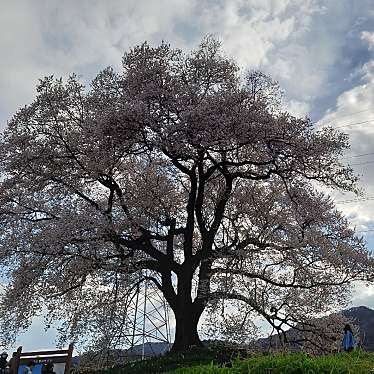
<point>186,335</point>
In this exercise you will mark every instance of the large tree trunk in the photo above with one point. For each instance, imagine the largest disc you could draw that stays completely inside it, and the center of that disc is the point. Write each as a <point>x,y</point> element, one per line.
<point>186,311</point>
<point>186,334</point>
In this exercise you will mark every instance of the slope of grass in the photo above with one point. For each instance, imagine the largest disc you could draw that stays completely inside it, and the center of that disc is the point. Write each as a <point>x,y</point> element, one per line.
<point>162,364</point>
<point>205,361</point>
<point>357,362</point>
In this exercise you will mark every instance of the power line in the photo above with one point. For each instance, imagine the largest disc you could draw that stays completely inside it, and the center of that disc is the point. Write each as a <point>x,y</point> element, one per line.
<point>354,113</point>
<point>355,200</point>
<point>360,155</point>
<point>354,124</point>
<point>344,124</point>
<point>370,230</point>
<point>341,125</point>
<point>363,163</point>
<point>348,125</point>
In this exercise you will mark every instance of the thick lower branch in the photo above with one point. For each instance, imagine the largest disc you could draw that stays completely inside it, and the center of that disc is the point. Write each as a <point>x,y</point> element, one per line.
<point>271,281</point>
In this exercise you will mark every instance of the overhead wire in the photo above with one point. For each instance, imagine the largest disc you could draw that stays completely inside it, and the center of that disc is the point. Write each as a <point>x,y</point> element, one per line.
<point>360,155</point>
<point>363,231</point>
<point>354,113</point>
<point>368,198</point>
<point>355,200</point>
<point>363,163</point>
<point>342,125</point>
<point>354,124</point>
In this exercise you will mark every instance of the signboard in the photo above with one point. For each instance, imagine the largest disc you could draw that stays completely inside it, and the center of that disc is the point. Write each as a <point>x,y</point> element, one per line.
<point>42,362</point>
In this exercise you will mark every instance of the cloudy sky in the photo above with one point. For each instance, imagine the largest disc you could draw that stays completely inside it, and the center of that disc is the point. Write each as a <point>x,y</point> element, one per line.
<point>321,52</point>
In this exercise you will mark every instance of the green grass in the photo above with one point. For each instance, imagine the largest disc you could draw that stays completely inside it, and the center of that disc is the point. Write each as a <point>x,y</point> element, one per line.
<point>205,361</point>
<point>357,362</point>
<point>162,364</point>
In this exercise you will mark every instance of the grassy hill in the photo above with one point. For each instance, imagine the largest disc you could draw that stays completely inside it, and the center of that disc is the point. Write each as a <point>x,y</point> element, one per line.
<point>206,362</point>
<point>168,362</point>
<point>358,362</point>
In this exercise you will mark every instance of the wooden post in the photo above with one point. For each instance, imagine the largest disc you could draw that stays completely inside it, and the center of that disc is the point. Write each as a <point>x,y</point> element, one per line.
<point>69,358</point>
<point>16,358</point>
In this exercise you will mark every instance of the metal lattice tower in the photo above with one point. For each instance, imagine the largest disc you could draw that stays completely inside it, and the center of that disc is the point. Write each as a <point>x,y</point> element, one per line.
<point>147,317</point>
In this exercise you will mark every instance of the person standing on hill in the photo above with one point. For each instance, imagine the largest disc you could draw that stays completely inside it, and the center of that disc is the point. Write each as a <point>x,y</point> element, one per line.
<point>348,339</point>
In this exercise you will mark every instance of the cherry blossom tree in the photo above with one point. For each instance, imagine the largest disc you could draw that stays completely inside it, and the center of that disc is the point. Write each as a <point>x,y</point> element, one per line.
<point>180,171</point>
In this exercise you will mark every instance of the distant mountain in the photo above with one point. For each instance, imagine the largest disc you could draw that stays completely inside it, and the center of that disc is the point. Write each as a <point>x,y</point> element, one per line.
<point>150,349</point>
<point>364,319</point>
<point>362,316</point>
<point>119,356</point>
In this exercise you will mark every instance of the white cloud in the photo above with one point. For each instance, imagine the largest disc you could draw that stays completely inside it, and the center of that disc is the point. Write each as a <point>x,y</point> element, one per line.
<point>297,108</point>
<point>59,38</point>
<point>36,338</point>
<point>355,106</point>
<point>363,295</point>
<point>369,38</point>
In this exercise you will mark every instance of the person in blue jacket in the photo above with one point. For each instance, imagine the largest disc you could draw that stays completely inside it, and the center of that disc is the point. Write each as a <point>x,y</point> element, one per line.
<point>348,339</point>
